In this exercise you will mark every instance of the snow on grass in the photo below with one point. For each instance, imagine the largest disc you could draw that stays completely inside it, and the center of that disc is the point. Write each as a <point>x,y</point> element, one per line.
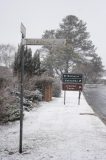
<point>55,131</point>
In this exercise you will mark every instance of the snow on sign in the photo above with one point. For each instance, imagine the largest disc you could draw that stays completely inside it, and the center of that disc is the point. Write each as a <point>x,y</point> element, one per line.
<point>72,82</point>
<point>23,30</point>
<point>45,41</point>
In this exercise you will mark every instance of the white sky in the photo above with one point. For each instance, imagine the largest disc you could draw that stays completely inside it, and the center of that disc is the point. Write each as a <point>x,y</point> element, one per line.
<point>39,15</point>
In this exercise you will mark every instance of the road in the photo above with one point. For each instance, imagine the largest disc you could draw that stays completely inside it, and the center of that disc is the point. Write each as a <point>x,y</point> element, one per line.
<point>96,98</point>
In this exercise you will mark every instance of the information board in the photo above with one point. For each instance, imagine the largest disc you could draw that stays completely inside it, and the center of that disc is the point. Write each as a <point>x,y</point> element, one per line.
<point>72,82</point>
<point>72,78</point>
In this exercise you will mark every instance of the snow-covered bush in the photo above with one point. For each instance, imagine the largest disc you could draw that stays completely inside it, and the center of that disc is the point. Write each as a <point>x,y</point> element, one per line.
<point>38,84</point>
<point>38,95</point>
<point>1,106</point>
<point>34,95</point>
<point>9,108</point>
<point>56,88</point>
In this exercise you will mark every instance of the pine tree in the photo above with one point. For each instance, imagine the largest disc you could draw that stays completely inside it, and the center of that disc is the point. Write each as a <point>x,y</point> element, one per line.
<point>17,62</point>
<point>36,63</point>
<point>28,62</point>
<point>77,50</point>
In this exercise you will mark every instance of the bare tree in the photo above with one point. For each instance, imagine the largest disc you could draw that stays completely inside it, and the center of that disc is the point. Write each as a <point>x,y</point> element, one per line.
<point>7,53</point>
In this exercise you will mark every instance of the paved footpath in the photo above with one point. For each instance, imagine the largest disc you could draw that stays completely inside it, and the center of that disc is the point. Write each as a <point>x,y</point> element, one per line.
<point>55,131</point>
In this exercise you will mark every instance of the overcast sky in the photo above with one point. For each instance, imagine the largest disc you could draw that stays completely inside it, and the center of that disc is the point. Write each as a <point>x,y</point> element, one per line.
<point>39,15</point>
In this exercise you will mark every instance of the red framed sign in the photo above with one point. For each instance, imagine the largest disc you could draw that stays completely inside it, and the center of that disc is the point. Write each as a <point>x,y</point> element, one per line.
<point>72,87</point>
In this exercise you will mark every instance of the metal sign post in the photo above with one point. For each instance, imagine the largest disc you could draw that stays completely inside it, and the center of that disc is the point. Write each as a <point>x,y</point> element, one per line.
<point>24,42</point>
<point>23,31</point>
<point>21,99</point>
<point>79,97</point>
<point>72,82</point>
<point>64,97</point>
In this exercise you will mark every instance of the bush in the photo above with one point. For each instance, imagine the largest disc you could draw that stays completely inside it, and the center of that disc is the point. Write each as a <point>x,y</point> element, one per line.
<point>9,108</point>
<point>4,83</point>
<point>1,105</point>
<point>56,88</point>
<point>33,95</point>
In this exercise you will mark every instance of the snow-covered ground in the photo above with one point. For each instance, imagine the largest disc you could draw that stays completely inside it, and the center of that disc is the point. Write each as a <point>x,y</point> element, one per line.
<point>55,131</point>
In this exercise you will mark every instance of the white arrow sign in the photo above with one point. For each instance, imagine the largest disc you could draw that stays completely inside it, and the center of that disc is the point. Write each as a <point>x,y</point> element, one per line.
<point>45,41</point>
<point>23,30</point>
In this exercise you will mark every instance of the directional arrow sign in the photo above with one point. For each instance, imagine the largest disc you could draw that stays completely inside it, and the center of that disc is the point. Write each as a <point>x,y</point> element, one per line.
<point>45,41</point>
<point>72,78</point>
<point>72,87</point>
<point>23,30</point>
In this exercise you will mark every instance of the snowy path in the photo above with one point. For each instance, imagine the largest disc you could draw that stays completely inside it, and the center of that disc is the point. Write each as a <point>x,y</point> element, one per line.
<point>55,131</point>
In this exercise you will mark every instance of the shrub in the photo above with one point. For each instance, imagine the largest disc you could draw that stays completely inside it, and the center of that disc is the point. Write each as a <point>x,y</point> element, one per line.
<point>9,108</point>
<point>1,105</point>
<point>56,88</point>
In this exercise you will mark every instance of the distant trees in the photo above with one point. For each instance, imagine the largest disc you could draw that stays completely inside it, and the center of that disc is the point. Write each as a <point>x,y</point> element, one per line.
<point>78,53</point>
<point>92,69</point>
<point>7,54</point>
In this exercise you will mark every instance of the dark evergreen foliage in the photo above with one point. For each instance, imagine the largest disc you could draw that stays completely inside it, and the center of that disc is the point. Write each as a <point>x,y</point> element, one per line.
<point>28,62</point>
<point>36,63</point>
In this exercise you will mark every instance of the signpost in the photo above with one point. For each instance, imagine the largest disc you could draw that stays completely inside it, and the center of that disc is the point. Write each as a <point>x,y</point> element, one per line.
<point>45,41</point>
<point>72,78</point>
<point>27,41</point>
<point>72,82</point>
<point>72,87</point>
<point>23,31</point>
